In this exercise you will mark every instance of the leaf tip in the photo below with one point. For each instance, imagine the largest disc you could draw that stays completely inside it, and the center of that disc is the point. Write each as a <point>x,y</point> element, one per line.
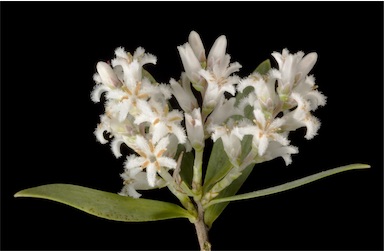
<point>362,166</point>
<point>18,194</point>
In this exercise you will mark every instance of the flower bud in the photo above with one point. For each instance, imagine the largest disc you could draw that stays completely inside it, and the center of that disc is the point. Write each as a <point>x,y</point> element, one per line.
<point>107,75</point>
<point>195,128</point>
<point>217,52</point>
<point>197,46</point>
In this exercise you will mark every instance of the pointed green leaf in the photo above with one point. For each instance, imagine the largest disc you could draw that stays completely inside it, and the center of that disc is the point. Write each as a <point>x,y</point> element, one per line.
<point>213,212</point>
<point>218,166</point>
<point>107,205</point>
<point>186,168</point>
<point>264,67</point>
<point>287,186</point>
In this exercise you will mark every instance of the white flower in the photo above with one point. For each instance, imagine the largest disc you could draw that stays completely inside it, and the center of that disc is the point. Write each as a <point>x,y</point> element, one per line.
<point>263,131</point>
<point>191,64</point>
<point>124,100</point>
<point>308,90</point>
<point>293,70</point>
<point>197,46</point>
<point>195,128</point>
<point>217,52</point>
<point>263,94</point>
<point>139,55</point>
<point>183,93</point>
<point>218,73</point>
<point>150,157</point>
<point>107,75</point>
<point>231,141</point>
<point>135,179</point>
<point>106,80</point>
<point>223,110</point>
<point>301,116</point>
<point>275,150</point>
<point>122,132</point>
<point>162,121</point>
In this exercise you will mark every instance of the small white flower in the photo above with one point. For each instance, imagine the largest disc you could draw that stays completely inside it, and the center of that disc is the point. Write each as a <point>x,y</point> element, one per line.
<point>263,91</point>
<point>195,128</point>
<point>275,150</point>
<point>150,157</point>
<point>264,131</point>
<point>107,75</point>
<point>122,132</point>
<point>217,52</point>
<point>223,110</point>
<point>231,141</point>
<point>162,121</point>
<point>197,46</point>
<point>135,179</point>
<point>183,93</point>
<point>293,70</point>
<point>301,117</point>
<point>139,55</point>
<point>191,64</point>
<point>308,90</point>
<point>218,73</point>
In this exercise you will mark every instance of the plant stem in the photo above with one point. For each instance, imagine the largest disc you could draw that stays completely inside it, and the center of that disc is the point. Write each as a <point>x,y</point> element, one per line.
<point>172,186</point>
<point>233,174</point>
<point>197,172</point>
<point>202,229</point>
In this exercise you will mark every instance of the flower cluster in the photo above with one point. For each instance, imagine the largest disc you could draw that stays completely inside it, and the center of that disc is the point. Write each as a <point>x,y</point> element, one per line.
<point>216,103</point>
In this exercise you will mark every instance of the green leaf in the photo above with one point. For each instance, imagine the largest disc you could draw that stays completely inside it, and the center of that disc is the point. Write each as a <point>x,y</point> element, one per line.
<point>264,67</point>
<point>213,212</point>
<point>287,186</point>
<point>186,168</point>
<point>107,205</point>
<point>218,166</point>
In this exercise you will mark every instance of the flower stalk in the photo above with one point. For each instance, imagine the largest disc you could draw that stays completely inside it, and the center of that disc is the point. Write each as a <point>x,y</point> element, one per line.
<point>197,173</point>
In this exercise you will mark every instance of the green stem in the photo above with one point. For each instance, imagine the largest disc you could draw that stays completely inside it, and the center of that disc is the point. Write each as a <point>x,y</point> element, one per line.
<point>197,172</point>
<point>172,186</point>
<point>233,174</point>
<point>202,229</point>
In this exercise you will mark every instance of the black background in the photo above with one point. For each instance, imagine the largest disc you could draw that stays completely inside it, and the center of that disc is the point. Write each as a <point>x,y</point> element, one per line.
<point>48,55</point>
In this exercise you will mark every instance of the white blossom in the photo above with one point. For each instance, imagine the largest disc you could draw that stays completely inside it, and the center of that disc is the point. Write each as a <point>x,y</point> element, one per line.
<point>293,70</point>
<point>301,117</point>
<point>197,46</point>
<point>150,157</point>
<point>275,150</point>
<point>224,109</point>
<point>191,64</point>
<point>161,120</point>
<point>218,73</point>
<point>263,131</point>
<point>264,94</point>
<point>135,179</point>
<point>230,139</point>
<point>183,93</point>
<point>195,128</point>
